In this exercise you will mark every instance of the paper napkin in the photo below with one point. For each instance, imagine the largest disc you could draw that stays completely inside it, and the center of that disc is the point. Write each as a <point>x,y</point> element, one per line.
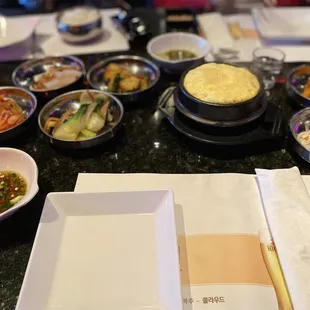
<point>287,207</point>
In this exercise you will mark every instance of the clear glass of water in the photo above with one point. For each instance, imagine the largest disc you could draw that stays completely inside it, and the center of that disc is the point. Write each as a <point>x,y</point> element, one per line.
<point>268,64</point>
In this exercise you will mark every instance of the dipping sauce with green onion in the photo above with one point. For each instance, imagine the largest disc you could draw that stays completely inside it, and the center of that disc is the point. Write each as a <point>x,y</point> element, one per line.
<point>13,188</point>
<point>177,55</point>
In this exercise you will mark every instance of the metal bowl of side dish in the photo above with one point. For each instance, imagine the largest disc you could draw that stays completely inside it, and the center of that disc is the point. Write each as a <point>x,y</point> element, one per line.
<point>130,78</point>
<point>81,119</point>
<point>300,133</point>
<point>298,85</point>
<point>178,51</point>
<point>49,77</point>
<point>17,107</point>
<point>79,24</point>
<point>18,180</point>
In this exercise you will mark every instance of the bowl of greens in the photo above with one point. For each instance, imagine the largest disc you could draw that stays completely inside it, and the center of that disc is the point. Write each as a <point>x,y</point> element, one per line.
<point>81,119</point>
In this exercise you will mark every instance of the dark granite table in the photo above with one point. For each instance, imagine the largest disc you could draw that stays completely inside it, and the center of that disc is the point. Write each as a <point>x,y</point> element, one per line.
<point>147,143</point>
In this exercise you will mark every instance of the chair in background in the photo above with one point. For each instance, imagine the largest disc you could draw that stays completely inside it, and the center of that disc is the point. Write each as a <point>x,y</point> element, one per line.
<point>207,3</point>
<point>182,3</point>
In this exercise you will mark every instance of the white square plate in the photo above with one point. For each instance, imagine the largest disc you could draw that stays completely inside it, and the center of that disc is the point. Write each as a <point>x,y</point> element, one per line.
<point>285,24</point>
<point>14,30</point>
<point>115,250</point>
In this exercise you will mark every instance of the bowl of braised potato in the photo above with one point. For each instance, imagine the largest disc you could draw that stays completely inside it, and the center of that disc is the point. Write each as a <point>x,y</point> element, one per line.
<point>127,77</point>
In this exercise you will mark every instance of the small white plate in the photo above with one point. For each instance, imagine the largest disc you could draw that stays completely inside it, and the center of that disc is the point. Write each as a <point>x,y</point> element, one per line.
<point>115,251</point>
<point>285,24</point>
<point>14,30</point>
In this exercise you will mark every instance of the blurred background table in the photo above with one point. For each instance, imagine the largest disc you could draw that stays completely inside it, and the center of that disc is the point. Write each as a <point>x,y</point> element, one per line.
<point>16,7</point>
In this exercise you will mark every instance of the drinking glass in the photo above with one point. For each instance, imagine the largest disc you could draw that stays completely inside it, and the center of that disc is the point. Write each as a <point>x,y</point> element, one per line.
<point>268,64</point>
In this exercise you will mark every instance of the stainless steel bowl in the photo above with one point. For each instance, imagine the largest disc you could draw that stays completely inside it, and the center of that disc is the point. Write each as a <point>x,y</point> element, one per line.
<point>135,64</point>
<point>294,88</point>
<point>82,32</point>
<point>300,122</point>
<point>27,102</point>
<point>221,113</point>
<point>23,75</point>
<point>58,106</point>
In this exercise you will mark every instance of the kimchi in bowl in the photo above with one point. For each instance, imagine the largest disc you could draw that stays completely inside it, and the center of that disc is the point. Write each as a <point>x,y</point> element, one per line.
<point>17,107</point>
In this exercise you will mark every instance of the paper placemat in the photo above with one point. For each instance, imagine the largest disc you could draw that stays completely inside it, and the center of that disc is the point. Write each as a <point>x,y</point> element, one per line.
<point>50,43</point>
<point>238,31</point>
<point>219,221</point>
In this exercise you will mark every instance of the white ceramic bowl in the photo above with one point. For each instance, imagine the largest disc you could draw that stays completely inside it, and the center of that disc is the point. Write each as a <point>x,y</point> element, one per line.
<point>181,41</point>
<point>22,163</point>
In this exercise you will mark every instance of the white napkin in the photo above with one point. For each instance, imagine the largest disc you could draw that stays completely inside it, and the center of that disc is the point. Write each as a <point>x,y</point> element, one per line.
<point>282,23</point>
<point>287,206</point>
<point>219,37</point>
<point>14,30</point>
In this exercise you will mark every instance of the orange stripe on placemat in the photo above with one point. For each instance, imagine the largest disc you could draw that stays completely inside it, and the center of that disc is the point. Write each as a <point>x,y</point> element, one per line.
<point>221,259</point>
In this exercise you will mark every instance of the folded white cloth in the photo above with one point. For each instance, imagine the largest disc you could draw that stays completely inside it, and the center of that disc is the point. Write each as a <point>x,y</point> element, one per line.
<point>287,207</point>
<point>219,37</point>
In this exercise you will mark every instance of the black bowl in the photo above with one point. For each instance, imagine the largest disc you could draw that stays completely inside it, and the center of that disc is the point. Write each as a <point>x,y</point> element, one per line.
<point>220,112</point>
